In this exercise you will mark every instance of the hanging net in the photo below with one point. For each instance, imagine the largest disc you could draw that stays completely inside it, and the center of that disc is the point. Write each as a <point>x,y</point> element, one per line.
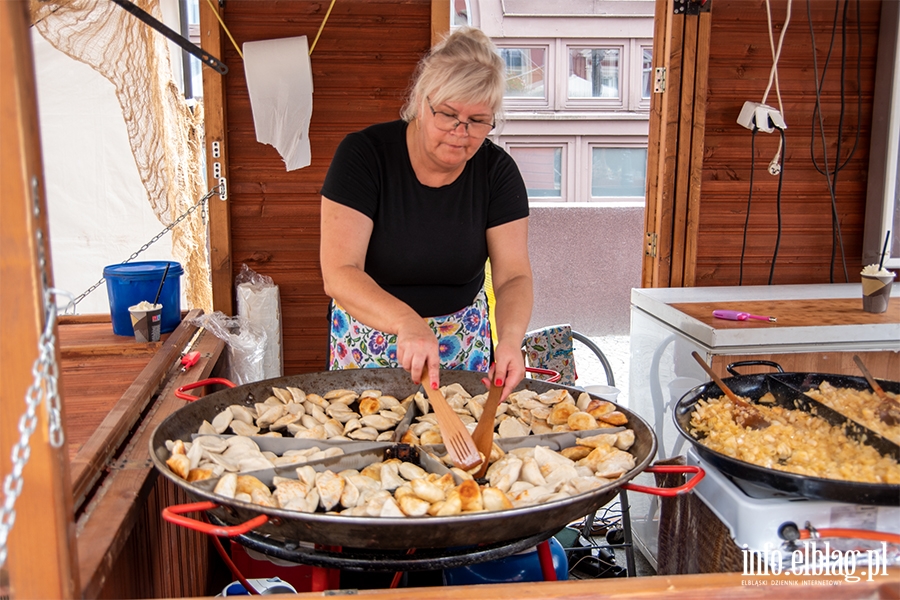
<point>165,134</point>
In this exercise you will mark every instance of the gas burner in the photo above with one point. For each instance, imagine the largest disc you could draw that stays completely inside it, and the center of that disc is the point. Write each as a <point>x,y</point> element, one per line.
<point>759,491</point>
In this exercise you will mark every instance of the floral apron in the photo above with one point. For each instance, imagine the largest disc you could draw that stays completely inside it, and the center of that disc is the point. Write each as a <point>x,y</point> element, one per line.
<point>464,340</point>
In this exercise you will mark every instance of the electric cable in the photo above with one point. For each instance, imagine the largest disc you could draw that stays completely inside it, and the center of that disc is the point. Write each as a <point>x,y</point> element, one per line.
<point>749,199</point>
<point>837,236</point>
<point>773,72</point>
<point>778,209</point>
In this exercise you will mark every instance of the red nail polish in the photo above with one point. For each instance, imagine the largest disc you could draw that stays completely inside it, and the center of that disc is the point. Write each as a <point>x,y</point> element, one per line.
<point>434,385</point>
<point>498,381</point>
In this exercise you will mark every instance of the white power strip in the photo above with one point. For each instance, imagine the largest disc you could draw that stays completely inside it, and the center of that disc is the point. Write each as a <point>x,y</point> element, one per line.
<point>760,116</point>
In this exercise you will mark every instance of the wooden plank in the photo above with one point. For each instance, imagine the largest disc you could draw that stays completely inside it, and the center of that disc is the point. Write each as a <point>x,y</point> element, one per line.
<point>125,500</point>
<point>683,159</point>
<point>671,587</point>
<point>42,556</point>
<point>440,20</point>
<point>668,198</point>
<point>214,124</point>
<point>92,458</point>
<point>698,131</point>
<point>793,313</point>
<point>655,146</point>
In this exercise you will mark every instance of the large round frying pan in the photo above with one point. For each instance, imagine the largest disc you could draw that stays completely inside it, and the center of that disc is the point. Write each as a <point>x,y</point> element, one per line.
<point>381,532</point>
<point>788,388</point>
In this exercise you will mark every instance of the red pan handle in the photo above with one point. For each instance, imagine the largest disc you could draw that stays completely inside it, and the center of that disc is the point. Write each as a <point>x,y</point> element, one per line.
<point>554,375</point>
<point>666,492</point>
<point>180,392</point>
<point>174,515</point>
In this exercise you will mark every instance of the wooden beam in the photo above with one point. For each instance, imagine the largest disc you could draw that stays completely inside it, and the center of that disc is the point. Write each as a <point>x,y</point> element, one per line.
<point>214,125</point>
<point>698,136</point>
<point>683,156</point>
<point>656,143</point>
<point>42,557</point>
<point>675,148</point>
<point>440,20</point>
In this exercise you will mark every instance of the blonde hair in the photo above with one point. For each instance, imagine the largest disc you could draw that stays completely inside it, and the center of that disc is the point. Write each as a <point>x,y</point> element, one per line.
<point>464,67</point>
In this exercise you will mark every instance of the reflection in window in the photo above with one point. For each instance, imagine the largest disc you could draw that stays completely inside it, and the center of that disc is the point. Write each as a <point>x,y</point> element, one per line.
<point>541,169</point>
<point>593,73</point>
<point>459,13</point>
<point>646,72</point>
<point>618,172</point>
<point>524,72</point>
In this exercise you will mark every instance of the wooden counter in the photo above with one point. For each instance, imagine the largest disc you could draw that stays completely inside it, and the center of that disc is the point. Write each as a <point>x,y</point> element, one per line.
<point>672,587</point>
<point>818,329</point>
<point>115,392</point>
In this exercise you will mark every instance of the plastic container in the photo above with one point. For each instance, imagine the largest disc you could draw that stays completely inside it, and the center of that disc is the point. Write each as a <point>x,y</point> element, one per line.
<point>130,283</point>
<point>520,567</point>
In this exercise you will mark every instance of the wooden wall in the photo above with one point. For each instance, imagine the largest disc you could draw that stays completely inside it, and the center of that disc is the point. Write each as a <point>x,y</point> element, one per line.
<point>361,67</point>
<point>739,64</point>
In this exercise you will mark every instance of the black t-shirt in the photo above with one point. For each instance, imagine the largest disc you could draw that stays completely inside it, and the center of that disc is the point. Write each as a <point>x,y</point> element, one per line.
<point>428,245</point>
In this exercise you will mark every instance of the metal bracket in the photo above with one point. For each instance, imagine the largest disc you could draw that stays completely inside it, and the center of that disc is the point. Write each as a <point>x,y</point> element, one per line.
<point>659,80</point>
<point>650,248</point>
<point>692,7</point>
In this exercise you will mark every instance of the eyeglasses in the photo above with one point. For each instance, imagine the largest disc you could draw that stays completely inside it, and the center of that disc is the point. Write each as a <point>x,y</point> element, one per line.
<point>446,122</point>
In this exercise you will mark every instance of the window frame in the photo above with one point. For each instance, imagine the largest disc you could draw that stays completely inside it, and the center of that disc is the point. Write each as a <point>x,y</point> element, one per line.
<point>525,103</point>
<point>569,149</point>
<point>580,103</point>
<point>616,142</point>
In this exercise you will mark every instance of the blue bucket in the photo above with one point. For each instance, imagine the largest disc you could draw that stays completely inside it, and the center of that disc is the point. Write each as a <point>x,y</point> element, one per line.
<point>521,567</point>
<point>130,283</point>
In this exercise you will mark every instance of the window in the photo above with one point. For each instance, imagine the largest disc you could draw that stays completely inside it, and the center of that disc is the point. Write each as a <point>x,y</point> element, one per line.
<point>576,117</point>
<point>541,168</point>
<point>525,73</point>
<point>459,13</point>
<point>593,73</point>
<point>646,72</point>
<point>618,172</point>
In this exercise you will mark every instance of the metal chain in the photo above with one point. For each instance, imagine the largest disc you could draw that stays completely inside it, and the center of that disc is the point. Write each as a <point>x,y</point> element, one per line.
<point>200,202</point>
<point>44,386</point>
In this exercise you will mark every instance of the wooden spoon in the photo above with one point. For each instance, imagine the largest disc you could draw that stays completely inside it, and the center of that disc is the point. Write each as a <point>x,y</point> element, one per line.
<point>888,410</point>
<point>746,414</point>
<point>460,447</point>
<point>484,431</point>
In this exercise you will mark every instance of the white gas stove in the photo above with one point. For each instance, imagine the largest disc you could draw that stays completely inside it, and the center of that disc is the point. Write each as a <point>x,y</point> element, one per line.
<point>755,516</point>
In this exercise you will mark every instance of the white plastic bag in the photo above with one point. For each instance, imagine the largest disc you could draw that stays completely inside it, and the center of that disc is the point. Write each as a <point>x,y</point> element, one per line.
<point>259,302</point>
<point>246,345</point>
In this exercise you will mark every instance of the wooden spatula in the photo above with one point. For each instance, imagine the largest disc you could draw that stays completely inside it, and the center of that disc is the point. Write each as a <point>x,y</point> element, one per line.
<point>888,410</point>
<point>484,431</point>
<point>460,447</point>
<point>745,414</point>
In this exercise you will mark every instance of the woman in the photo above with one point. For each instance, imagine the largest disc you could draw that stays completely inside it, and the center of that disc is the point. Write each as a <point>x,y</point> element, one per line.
<point>411,210</point>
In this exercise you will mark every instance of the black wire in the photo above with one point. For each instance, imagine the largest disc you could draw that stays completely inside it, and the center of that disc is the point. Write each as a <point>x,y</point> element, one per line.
<point>830,180</point>
<point>749,198</point>
<point>858,85</point>
<point>778,204</point>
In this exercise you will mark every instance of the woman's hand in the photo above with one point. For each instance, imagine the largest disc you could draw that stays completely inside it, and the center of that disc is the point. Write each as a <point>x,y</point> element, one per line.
<point>508,368</point>
<point>417,348</point>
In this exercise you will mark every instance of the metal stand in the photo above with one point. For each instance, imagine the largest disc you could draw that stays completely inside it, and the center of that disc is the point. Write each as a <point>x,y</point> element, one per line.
<point>628,544</point>
<point>358,559</point>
